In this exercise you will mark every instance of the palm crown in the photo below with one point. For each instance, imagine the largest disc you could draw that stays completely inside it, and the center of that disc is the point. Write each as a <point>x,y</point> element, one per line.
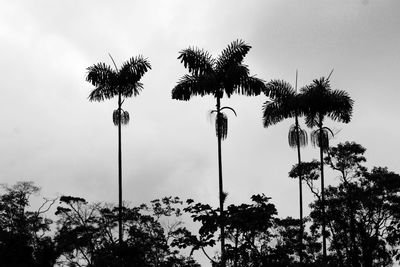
<point>225,75</point>
<point>110,82</point>
<point>284,103</point>
<point>320,101</point>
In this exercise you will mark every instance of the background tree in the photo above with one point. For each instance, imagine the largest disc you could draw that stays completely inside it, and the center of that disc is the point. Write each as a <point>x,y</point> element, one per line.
<point>286,103</point>
<point>123,83</point>
<point>255,236</point>
<point>87,234</point>
<point>24,233</point>
<point>224,75</point>
<point>347,159</point>
<point>361,211</point>
<point>320,102</point>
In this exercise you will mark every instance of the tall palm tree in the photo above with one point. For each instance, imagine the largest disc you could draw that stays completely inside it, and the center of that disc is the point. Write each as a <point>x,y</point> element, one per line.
<point>321,102</point>
<point>224,75</point>
<point>285,103</point>
<point>123,83</point>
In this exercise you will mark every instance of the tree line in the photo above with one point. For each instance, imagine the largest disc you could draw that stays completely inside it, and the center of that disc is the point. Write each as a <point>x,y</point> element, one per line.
<point>362,215</point>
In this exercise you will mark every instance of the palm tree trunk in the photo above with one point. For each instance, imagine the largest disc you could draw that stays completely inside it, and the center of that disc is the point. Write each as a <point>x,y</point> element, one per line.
<point>119,175</point>
<point>300,193</point>
<point>221,192</point>
<point>321,153</point>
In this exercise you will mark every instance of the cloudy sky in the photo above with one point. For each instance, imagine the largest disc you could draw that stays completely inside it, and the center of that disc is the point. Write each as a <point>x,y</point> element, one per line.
<point>51,134</point>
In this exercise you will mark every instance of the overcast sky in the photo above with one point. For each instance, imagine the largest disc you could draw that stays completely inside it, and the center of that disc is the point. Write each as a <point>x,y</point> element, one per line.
<point>51,134</point>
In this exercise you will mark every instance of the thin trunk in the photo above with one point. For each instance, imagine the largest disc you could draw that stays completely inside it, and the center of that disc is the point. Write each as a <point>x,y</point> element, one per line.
<point>120,230</point>
<point>300,186</point>
<point>235,264</point>
<point>221,192</point>
<point>321,152</point>
<point>300,193</point>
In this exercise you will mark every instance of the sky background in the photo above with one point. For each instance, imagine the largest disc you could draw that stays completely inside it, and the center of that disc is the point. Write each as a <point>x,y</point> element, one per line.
<point>51,134</point>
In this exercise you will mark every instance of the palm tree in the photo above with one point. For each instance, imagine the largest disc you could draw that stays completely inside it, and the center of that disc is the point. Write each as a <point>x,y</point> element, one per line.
<point>320,102</point>
<point>224,75</point>
<point>285,103</point>
<point>123,83</point>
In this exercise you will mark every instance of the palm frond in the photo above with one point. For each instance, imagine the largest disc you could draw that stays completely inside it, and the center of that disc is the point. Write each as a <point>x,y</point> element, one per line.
<point>101,74</point>
<point>100,93</point>
<point>250,86</point>
<point>221,125</point>
<point>130,74</point>
<point>104,78</point>
<point>292,136</point>
<point>131,90</point>
<point>284,103</point>
<point>232,55</point>
<point>274,112</point>
<point>279,90</point>
<point>236,79</point>
<point>190,85</point>
<point>342,106</point>
<point>232,77</point>
<point>197,61</point>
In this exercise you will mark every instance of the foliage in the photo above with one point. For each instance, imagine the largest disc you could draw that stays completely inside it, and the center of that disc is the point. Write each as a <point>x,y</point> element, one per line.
<point>255,237</point>
<point>109,82</point>
<point>225,75</point>
<point>24,239</point>
<point>362,210</point>
<point>320,101</point>
<point>87,236</point>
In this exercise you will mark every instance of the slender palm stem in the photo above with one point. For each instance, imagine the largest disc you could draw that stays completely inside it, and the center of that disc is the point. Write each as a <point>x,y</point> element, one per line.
<point>119,175</point>
<point>300,192</point>
<point>120,230</point>
<point>321,153</point>
<point>221,191</point>
<point>300,184</point>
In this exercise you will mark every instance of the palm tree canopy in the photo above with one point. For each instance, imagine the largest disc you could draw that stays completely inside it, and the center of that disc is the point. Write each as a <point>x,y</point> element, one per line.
<point>319,101</point>
<point>285,103</point>
<point>109,82</point>
<point>225,75</point>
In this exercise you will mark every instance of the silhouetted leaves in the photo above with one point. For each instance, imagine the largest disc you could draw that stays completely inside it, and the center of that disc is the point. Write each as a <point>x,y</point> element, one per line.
<point>319,100</point>
<point>24,234</point>
<point>87,233</point>
<point>362,211</point>
<point>109,83</point>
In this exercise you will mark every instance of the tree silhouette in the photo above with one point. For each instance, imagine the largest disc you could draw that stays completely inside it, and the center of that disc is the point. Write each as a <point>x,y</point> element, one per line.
<point>123,83</point>
<point>25,238</point>
<point>224,75</point>
<point>86,234</point>
<point>321,102</point>
<point>286,103</point>
<point>346,158</point>
<point>361,211</point>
